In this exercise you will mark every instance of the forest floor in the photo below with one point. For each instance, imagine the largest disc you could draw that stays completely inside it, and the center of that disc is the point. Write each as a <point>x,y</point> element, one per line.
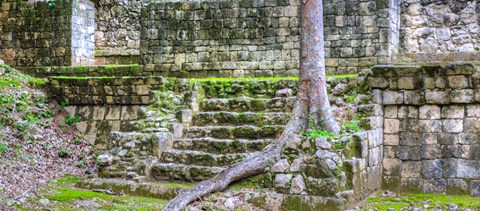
<point>38,140</point>
<point>61,194</point>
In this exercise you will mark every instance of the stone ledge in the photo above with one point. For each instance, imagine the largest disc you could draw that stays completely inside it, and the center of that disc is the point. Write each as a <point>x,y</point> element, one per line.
<point>159,190</point>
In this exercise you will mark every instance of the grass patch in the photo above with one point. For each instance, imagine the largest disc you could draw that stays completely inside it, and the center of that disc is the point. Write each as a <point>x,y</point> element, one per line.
<point>66,179</point>
<point>264,78</point>
<point>67,197</point>
<point>421,201</point>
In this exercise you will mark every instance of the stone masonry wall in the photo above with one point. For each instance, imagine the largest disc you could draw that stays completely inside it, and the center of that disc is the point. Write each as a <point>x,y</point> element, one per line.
<point>357,34</point>
<point>104,90</point>
<point>431,128</point>
<point>104,105</point>
<point>117,35</point>
<point>39,33</point>
<point>255,38</point>
<point>83,29</point>
<point>230,38</point>
<point>439,30</point>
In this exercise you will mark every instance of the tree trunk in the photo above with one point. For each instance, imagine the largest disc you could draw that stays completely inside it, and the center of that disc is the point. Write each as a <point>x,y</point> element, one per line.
<point>312,104</point>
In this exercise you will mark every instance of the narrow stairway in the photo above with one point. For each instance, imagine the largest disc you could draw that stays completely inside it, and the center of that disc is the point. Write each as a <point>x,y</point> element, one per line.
<point>229,126</point>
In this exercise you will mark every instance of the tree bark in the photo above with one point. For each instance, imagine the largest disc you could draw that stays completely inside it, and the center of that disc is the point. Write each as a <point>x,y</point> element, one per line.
<point>312,104</point>
<point>312,65</point>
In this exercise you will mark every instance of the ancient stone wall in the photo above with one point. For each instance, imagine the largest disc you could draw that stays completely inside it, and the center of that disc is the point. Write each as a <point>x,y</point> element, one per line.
<point>255,38</point>
<point>226,38</point>
<point>435,30</point>
<point>83,29</point>
<point>117,35</point>
<point>99,106</point>
<point>357,34</point>
<point>39,33</point>
<point>104,90</point>
<point>431,128</point>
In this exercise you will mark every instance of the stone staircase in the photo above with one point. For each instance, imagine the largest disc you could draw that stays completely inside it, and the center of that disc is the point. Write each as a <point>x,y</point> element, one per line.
<point>193,130</point>
<point>228,126</point>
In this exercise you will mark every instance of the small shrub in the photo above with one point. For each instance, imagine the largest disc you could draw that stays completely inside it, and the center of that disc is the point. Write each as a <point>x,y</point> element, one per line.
<point>63,152</point>
<point>3,148</point>
<point>72,120</point>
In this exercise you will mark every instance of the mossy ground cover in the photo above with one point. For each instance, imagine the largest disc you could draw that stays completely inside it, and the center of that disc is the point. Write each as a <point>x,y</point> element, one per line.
<point>264,78</point>
<point>62,195</point>
<point>422,201</point>
<point>38,140</point>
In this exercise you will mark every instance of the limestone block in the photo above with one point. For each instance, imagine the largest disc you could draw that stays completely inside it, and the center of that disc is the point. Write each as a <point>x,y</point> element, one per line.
<point>457,187</point>
<point>391,140</point>
<point>458,82</point>
<point>411,185</point>
<point>298,185</point>
<point>408,153</point>
<point>448,138</point>
<point>414,97</point>
<point>434,186</point>
<point>452,125</point>
<point>98,113</point>
<point>468,138</point>
<point>430,126</point>
<point>391,167</point>
<point>392,97</point>
<point>437,97</point>
<point>281,166</point>
<point>462,96</point>
<point>432,169</point>
<point>429,138</point>
<point>453,111</point>
<point>411,169</point>
<point>391,111</point>
<point>475,187</point>
<point>473,110</point>
<point>389,151</point>
<point>410,139</point>
<point>429,112</point>
<point>113,113</point>
<point>282,180</point>
<point>391,125</point>
<point>407,112</point>
<point>406,83</point>
<point>472,125</point>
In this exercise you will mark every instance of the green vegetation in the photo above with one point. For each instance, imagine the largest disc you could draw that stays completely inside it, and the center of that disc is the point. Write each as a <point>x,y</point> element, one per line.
<point>263,78</point>
<point>430,201</point>
<point>13,79</point>
<point>66,198</point>
<point>66,179</point>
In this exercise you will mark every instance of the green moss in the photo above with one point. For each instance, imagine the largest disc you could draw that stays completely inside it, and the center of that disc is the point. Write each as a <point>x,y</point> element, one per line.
<point>66,179</point>
<point>419,200</point>
<point>84,77</point>
<point>241,79</point>
<point>8,82</point>
<point>67,196</point>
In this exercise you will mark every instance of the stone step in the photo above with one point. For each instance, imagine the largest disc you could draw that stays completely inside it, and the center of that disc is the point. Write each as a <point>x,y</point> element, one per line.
<point>160,190</point>
<point>251,88</point>
<point>201,158</point>
<point>173,171</point>
<point>220,146</point>
<point>232,132</point>
<point>240,118</point>
<point>245,104</point>
<point>139,125</point>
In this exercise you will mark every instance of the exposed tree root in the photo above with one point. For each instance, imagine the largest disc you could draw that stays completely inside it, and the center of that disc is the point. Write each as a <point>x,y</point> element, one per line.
<point>312,104</point>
